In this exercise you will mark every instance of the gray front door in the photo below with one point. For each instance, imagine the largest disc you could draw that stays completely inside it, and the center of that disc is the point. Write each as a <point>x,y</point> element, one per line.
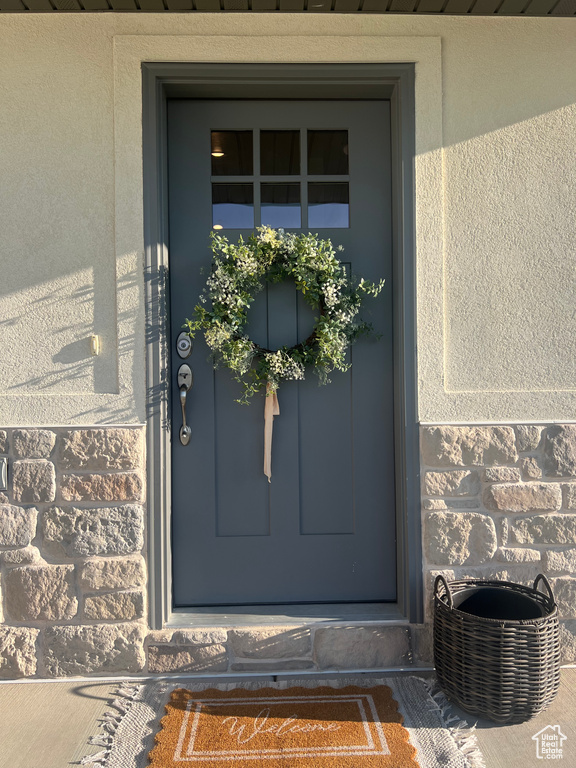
<point>324,529</point>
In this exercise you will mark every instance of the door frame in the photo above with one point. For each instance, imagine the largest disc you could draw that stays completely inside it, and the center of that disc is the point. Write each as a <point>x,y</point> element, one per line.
<point>395,82</point>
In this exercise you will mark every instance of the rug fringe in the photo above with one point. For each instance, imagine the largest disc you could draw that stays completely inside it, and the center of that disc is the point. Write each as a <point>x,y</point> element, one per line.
<point>100,741</point>
<point>125,695</point>
<point>463,734</point>
<point>98,758</point>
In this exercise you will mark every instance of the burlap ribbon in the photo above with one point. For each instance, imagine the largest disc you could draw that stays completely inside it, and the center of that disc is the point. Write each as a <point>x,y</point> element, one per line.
<point>271,409</point>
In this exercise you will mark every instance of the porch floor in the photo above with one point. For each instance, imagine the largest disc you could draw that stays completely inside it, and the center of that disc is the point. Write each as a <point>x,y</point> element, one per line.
<point>47,725</point>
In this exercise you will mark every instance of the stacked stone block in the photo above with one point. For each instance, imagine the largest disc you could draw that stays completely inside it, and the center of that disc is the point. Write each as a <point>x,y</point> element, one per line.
<point>500,502</point>
<point>497,502</point>
<point>274,649</point>
<point>72,569</point>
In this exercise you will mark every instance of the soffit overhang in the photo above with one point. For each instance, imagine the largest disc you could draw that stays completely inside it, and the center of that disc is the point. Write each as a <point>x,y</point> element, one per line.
<point>552,8</point>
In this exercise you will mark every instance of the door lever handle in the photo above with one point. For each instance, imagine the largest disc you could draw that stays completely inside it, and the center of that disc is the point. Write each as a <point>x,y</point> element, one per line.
<point>184,383</point>
<point>185,431</point>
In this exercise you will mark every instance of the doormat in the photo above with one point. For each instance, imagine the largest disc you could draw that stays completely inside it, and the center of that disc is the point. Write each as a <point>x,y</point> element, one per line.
<point>430,735</point>
<point>326,727</point>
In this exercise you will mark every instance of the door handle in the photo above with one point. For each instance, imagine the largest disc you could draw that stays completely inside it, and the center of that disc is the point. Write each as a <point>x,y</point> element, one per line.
<point>185,380</point>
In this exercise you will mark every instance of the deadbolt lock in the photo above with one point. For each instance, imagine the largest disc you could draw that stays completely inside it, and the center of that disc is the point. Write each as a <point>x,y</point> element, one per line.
<point>184,345</point>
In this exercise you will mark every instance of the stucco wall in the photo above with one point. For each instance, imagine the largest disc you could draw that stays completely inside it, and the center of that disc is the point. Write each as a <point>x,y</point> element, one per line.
<point>496,202</point>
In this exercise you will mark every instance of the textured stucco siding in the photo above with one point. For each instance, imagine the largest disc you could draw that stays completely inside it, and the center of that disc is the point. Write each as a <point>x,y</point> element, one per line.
<point>495,202</point>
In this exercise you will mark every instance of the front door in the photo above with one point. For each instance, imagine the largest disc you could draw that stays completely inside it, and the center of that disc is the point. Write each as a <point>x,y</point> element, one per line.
<point>324,530</point>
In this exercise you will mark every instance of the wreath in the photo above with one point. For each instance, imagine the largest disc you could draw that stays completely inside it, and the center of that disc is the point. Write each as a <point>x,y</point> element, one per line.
<point>240,271</point>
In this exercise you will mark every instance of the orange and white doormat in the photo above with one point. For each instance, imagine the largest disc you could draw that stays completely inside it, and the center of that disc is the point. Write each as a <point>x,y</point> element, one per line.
<point>324,727</point>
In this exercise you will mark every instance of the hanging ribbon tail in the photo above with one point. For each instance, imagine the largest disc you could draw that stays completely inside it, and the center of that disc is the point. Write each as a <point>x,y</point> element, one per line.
<point>271,409</point>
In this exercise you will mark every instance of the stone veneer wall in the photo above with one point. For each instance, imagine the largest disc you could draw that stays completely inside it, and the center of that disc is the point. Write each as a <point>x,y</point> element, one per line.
<point>72,535</point>
<point>500,502</point>
<point>497,501</point>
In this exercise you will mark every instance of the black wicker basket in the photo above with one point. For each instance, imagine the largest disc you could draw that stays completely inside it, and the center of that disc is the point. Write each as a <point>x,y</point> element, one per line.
<point>497,647</point>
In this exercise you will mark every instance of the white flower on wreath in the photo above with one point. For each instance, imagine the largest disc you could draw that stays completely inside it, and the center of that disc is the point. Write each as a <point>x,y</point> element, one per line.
<point>281,365</point>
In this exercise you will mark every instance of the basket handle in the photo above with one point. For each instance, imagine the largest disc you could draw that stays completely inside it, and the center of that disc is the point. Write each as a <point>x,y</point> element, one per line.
<point>543,578</point>
<point>441,580</point>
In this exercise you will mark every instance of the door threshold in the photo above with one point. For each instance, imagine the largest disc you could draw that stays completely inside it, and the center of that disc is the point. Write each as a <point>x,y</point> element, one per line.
<point>259,615</point>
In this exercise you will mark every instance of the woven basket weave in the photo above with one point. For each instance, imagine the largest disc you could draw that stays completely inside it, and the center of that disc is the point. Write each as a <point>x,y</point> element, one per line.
<point>504,669</point>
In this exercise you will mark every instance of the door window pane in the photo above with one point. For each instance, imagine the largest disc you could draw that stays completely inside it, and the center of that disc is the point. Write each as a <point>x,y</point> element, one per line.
<point>328,205</point>
<point>232,206</point>
<point>279,153</point>
<point>232,153</point>
<point>281,205</point>
<point>327,153</point>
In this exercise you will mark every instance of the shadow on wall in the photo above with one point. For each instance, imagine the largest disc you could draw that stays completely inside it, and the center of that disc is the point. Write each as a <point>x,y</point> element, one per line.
<point>50,351</point>
<point>48,336</point>
<point>503,95</point>
<point>156,282</point>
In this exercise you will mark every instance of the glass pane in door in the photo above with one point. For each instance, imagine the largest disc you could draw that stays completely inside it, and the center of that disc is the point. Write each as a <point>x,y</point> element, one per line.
<point>232,206</point>
<point>279,153</point>
<point>232,153</point>
<point>281,205</point>
<point>328,205</point>
<point>328,153</point>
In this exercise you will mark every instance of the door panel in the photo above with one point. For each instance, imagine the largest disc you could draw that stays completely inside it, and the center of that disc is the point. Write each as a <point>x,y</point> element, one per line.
<point>324,529</point>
